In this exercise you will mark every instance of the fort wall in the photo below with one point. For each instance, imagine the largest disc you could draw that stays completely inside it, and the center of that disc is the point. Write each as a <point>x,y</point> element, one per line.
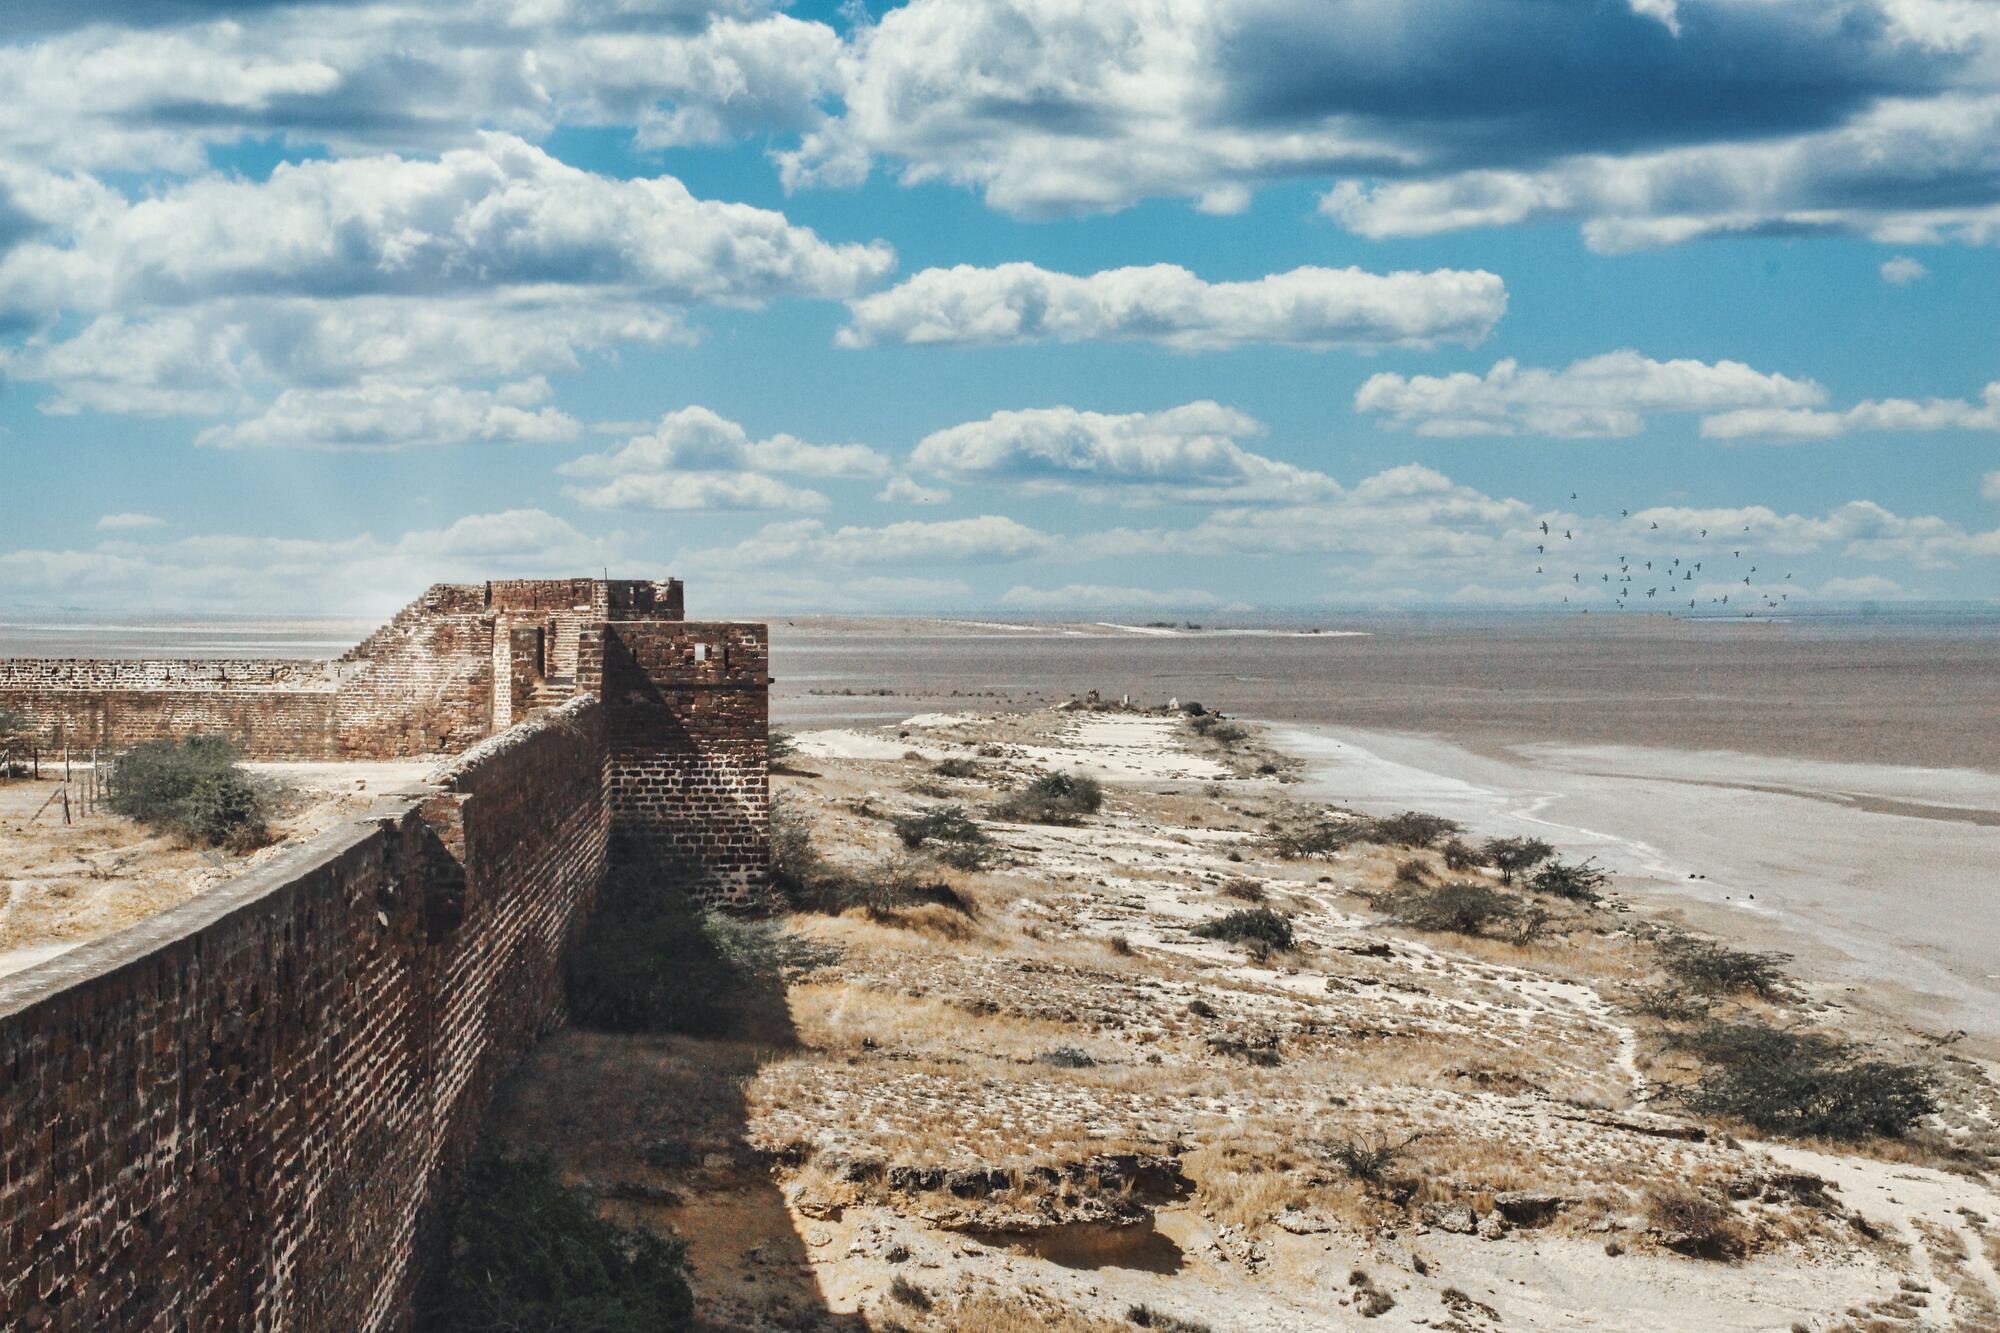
<point>687,719</point>
<point>248,1112</point>
<point>446,671</point>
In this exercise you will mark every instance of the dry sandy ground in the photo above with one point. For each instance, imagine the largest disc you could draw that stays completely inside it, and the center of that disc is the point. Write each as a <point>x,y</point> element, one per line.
<point>1062,1109</point>
<point>62,885</point>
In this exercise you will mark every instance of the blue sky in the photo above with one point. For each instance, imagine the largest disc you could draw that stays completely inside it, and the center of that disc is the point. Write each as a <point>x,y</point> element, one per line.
<point>1063,306</point>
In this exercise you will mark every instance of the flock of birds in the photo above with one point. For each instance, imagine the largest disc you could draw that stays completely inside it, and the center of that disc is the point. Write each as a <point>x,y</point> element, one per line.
<point>1665,581</point>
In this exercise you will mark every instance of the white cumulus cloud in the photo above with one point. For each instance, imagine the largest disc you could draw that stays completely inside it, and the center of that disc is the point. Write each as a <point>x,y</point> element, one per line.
<point>1902,270</point>
<point>359,575</point>
<point>375,415</point>
<point>129,522</point>
<point>1607,395</point>
<point>696,458</point>
<point>1883,414</point>
<point>1307,307</point>
<point>1184,453</point>
<point>493,261</point>
<point>1868,585</point>
<point>907,490</point>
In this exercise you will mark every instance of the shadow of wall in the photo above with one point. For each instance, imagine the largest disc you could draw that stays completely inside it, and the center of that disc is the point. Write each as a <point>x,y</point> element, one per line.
<point>657,1126</point>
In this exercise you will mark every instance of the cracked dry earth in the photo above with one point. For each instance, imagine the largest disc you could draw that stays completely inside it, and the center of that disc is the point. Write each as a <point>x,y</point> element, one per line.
<point>1065,1110</point>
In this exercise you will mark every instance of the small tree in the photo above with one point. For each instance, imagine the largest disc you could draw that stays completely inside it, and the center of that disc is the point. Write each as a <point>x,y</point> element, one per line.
<point>1460,908</point>
<point>1053,798</point>
<point>1510,856</point>
<point>1715,969</point>
<point>1412,828</point>
<point>1461,856</point>
<point>794,859</point>
<point>1578,881</point>
<point>1252,924</point>
<point>1314,836</point>
<point>1787,1081</point>
<point>193,789</point>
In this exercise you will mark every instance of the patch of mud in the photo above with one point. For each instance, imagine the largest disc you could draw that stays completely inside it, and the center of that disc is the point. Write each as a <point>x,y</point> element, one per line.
<point>1139,1246</point>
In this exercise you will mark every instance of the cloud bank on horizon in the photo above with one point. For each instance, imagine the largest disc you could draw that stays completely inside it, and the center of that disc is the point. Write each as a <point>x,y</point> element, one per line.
<point>1035,304</point>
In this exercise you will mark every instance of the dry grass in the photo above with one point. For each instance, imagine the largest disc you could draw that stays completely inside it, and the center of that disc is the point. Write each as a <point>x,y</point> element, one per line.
<point>75,882</point>
<point>1001,1314</point>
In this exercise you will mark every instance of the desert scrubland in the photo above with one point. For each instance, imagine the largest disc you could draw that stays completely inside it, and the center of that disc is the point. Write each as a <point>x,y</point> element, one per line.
<point>1156,1043</point>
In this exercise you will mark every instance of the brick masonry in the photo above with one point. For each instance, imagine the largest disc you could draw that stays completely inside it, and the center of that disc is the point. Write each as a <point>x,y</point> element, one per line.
<point>248,1111</point>
<point>437,678</point>
<point>687,716</point>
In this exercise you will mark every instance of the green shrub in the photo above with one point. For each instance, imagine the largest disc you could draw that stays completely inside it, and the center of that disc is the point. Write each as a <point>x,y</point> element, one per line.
<point>1312,837</point>
<point>1067,1057</point>
<point>1460,908</point>
<point>1578,881</point>
<point>780,745</point>
<point>794,859</point>
<point>1242,887</point>
<point>1786,1081</point>
<point>1412,828</point>
<point>963,855</point>
<point>1717,969</point>
<point>1461,856</point>
<point>1052,798</point>
<point>193,789</point>
<point>946,823</point>
<point>651,960</point>
<point>1412,871</point>
<point>1217,728</point>
<point>1510,856</point>
<point>956,768</point>
<point>1252,924</point>
<point>529,1255</point>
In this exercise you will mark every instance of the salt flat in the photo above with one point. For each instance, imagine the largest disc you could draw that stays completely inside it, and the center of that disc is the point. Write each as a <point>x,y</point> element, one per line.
<point>1884,876</point>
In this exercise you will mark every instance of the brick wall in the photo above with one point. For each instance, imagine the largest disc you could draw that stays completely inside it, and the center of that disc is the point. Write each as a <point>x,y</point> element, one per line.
<point>687,716</point>
<point>422,684</point>
<point>286,706</point>
<point>245,1112</point>
<point>425,683</point>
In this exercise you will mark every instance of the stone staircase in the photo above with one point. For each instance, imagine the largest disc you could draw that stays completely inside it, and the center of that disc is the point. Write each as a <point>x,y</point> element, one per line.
<point>551,692</point>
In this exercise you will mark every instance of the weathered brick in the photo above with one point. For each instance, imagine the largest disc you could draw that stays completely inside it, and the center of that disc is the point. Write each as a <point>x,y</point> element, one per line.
<point>248,1112</point>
